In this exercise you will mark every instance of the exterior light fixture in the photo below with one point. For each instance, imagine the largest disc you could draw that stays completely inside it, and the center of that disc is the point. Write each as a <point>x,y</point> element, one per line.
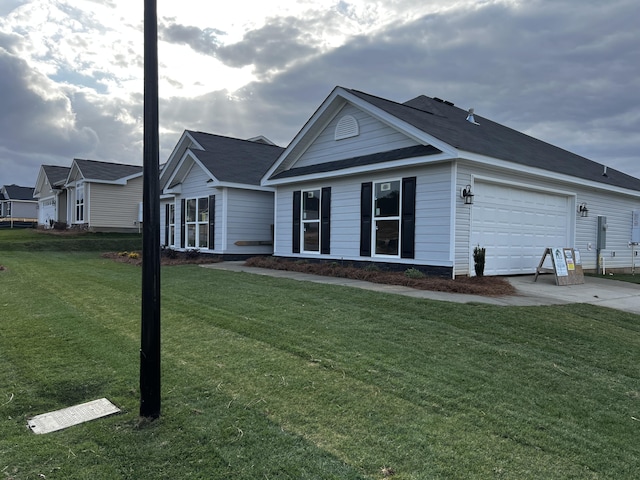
<point>583,210</point>
<point>467,195</point>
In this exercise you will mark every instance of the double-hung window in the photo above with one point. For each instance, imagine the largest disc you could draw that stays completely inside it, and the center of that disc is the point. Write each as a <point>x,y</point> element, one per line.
<point>171,222</point>
<point>197,223</point>
<point>311,220</point>
<point>80,203</point>
<point>386,215</point>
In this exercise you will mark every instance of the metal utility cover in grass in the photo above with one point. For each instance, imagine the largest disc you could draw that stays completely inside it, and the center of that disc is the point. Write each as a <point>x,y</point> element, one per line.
<point>68,417</point>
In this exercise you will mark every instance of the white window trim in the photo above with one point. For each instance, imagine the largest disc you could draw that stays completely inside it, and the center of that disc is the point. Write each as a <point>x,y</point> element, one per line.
<point>304,222</point>
<point>375,218</point>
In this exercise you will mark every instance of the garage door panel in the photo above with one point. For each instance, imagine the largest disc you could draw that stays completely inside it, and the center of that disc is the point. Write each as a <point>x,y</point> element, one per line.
<point>516,225</point>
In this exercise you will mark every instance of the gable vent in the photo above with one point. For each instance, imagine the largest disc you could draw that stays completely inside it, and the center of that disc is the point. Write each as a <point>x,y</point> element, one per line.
<point>347,127</point>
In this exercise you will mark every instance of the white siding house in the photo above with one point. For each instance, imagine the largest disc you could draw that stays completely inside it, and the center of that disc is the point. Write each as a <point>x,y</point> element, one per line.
<point>212,200</point>
<point>104,196</point>
<point>371,180</point>
<point>51,195</point>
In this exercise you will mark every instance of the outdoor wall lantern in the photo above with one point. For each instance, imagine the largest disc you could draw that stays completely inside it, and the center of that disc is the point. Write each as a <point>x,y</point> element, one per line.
<point>583,210</point>
<point>467,194</point>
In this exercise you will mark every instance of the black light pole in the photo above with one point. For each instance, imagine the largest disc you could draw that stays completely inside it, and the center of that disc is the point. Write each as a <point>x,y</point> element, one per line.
<point>150,335</point>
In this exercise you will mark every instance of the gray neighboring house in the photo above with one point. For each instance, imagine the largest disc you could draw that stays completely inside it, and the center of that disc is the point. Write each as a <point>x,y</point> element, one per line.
<point>422,183</point>
<point>51,195</point>
<point>104,196</point>
<point>212,199</point>
<point>17,204</point>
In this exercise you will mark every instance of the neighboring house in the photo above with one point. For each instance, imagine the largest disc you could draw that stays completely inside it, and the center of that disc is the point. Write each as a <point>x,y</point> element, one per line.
<point>424,182</point>
<point>51,195</point>
<point>17,204</point>
<point>212,200</point>
<point>104,196</point>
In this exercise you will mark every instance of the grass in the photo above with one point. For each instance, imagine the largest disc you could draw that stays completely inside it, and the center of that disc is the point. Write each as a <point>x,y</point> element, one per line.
<point>272,378</point>
<point>28,239</point>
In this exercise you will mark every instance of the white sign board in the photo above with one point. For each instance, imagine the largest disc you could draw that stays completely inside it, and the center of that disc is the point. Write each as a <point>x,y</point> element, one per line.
<point>68,417</point>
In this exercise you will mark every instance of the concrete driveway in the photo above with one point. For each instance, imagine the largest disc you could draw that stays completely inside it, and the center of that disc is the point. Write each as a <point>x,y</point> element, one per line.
<point>595,291</point>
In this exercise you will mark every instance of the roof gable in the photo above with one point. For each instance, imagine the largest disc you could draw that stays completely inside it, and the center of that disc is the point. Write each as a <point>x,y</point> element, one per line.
<point>225,159</point>
<point>431,121</point>
<point>102,172</point>
<point>16,192</point>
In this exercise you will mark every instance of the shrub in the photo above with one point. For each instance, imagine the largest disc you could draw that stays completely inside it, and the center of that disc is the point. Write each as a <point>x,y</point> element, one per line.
<point>59,225</point>
<point>413,273</point>
<point>170,252</point>
<point>134,255</point>
<point>192,253</point>
<point>478,260</point>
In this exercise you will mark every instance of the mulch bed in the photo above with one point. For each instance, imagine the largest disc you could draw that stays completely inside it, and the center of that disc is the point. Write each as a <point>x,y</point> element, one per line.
<point>484,286</point>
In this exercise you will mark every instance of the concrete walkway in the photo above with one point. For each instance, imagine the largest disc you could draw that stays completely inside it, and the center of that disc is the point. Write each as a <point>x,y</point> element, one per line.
<point>595,291</point>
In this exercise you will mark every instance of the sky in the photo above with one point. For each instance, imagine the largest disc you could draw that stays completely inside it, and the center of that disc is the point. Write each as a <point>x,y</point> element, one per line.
<point>72,71</point>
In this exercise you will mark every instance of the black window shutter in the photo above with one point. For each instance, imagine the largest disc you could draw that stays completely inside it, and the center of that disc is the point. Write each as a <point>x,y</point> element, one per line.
<point>166,225</point>
<point>212,221</point>
<point>325,221</point>
<point>366,206</point>
<point>183,219</point>
<point>408,224</point>
<point>295,237</point>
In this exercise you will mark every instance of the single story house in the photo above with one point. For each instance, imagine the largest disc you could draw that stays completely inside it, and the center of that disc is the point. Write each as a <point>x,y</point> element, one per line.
<point>211,197</point>
<point>104,196</point>
<point>17,204</point>
<point>51,195</point>
<point>421,183</point>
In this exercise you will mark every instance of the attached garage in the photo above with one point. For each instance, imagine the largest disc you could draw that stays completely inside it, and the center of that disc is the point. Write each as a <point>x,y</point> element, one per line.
<point>515,225</point>
<point>47,212</point>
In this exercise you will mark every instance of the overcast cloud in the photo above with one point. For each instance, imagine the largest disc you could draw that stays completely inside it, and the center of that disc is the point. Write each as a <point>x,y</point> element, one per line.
<point>71,72</point>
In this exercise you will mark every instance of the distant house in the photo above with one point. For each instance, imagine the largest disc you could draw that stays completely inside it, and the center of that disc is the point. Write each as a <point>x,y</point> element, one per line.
<point>17,204</point>
<point>421,183</point>
<point>51,195</point>
<point>212,199</point>
<point>104,196</point>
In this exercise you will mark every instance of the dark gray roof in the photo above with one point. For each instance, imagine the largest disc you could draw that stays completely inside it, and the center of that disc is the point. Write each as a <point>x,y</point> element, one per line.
<point>448,123</point>
<point>95,170</point>
<point>235,160</point>
<point>57,175</point>
<point>15,192</point>
<point>371,159</point>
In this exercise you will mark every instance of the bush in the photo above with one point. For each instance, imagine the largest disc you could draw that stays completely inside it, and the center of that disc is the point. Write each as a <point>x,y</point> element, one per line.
<point>478,260</point>
<point>413,273</point>
<point>192,253</point>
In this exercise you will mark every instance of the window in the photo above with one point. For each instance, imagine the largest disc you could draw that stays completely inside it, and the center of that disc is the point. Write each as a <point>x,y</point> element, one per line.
<point>386,215</point>
<point>387,218</point>
<point>171,222</point>
<point>80,203</point>
<point>311,221</point>
<point>197,223</point>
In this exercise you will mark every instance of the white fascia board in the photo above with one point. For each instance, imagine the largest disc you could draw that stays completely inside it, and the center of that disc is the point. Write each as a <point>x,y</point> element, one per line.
<point>241,186</point>
<point>174,175</point>
<point>365,169</point>
<point>40,182</point>
<point>176,156</point>
<point>540,172</point>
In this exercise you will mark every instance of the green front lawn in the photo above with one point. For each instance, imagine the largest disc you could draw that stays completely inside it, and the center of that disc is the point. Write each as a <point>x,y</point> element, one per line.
<point>268,378</point>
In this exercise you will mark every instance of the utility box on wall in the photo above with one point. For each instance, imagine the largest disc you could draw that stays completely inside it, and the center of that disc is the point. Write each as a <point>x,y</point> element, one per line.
<point>601,237</point>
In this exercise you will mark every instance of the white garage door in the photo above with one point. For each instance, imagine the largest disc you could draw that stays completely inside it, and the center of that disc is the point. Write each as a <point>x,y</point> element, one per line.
<point>47,212</point>
<point>516,225</point>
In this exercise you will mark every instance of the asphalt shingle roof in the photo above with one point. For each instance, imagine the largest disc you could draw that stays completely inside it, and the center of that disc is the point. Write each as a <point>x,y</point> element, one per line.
<point>15,192</point>
<point>95,170</point>
<point>448,123</point>
<point>56,175</point>
<point>234,160</point>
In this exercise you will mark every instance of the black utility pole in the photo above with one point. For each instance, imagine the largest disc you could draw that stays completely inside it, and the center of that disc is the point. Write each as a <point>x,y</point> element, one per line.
<point>150,338</point>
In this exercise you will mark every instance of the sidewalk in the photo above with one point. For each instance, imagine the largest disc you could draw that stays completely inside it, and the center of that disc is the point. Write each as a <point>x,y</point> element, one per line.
<point>595,291</point>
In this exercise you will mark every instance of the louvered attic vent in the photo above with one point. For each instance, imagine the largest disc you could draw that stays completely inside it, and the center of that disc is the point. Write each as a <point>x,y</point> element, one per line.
<point>347,127</point>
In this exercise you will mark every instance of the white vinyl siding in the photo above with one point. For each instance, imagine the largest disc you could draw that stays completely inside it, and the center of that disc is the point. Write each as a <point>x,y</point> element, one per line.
<point>249,218</point>
<point>433,214</point>
<point>374,137</point>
